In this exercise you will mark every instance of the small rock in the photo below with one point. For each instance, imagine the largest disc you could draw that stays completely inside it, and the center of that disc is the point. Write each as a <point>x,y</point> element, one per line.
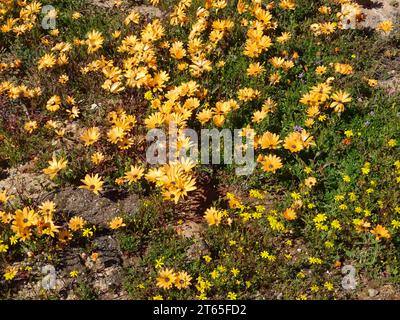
<point>29,291</point>
<point>198,249</point>
<point>151,11</point>
<point>373,12</point>
<point>109,252</point>
<point>72,261</point>
<point>71,296</point>
<point>372,292</point>
<point>108,280</point>
<point>26,185</point>
<point>95,209</point>
<point>190,229</point>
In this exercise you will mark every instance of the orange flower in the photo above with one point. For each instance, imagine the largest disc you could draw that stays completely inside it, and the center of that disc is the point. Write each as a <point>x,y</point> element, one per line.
<point>289,214</point>
<point>380,232</point>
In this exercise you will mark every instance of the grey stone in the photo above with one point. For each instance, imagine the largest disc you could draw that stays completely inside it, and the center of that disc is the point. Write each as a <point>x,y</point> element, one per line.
<point>372,292</point>
<point>198,249</point>
<point>95,209</point>
<point>109,252</point>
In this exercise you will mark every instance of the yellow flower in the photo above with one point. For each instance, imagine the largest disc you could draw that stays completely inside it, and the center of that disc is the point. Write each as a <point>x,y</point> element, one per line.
<point>348,133</point>
<point>392,143</point>
<point>314,288</point>
<point>10,273</point>
<point>274,78</point>
<point>90,136</point>
<point>343,68</point>
<point>74,274</point>
<point>271,163</point>
<point>335,224</point>
<point>94,41</point>
<point>4,197</point>
<point>30,126</point>
<point>324,10</point>
<point>54,103</point>
<point>116,223</point>
<point>255,69</point>
<point>289,214</point>
<point>320,70</point>
<point>328,244</point>
<point>221,268</point>
<point>64,236</point>
<point>365,170</point>
<point>307,170</point>
<point>310,182</point>
<point>76,223</point>
<point>92,183</point>
<point>231,296</point>
<point>3,247</point>
<point>287,4</point>
<point>166,278</point>
<point>73,112</point>
<point>24,218</point>
<point>132,17</point>
<point>293,142</point>
<point>148,95</point>
<point>47,208</point>
<point>339,197</point>
<point>295,195</point>
<point>87,232</point>
<point>314,260</point>
<point>47,61</point>
<point>55,166</point>
<point>182,280</point>
<point>322,118</point>
<point>207,259</point>
<point>380,232</point>
<point>116,34</point>
<point>13,239</point>
<point>284,37</point>
<point>395,224</point>
<point>265,255</point>
<point>159,263</point>
<point>372,83</point>
<point>269,140</point>
<point>328,286</point>
<point>116,134</point>
<point>252,193</point>
<point>235,271</point>
<point>177,51</point>
<point>321,217</point>
<point>385,26</point>
<point>248,94</point>
<point>97,158</point>
<point>340,98</point>
<point>63,79</point>
<point>76,15</point>
<point>213,216</point>
<point>134,174</point>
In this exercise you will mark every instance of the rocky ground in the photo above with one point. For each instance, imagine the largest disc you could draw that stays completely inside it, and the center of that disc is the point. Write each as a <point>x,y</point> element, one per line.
<point>105,272</point>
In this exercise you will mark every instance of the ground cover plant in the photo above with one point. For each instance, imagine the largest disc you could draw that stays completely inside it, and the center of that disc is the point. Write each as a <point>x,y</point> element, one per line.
<point>314,85</point>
